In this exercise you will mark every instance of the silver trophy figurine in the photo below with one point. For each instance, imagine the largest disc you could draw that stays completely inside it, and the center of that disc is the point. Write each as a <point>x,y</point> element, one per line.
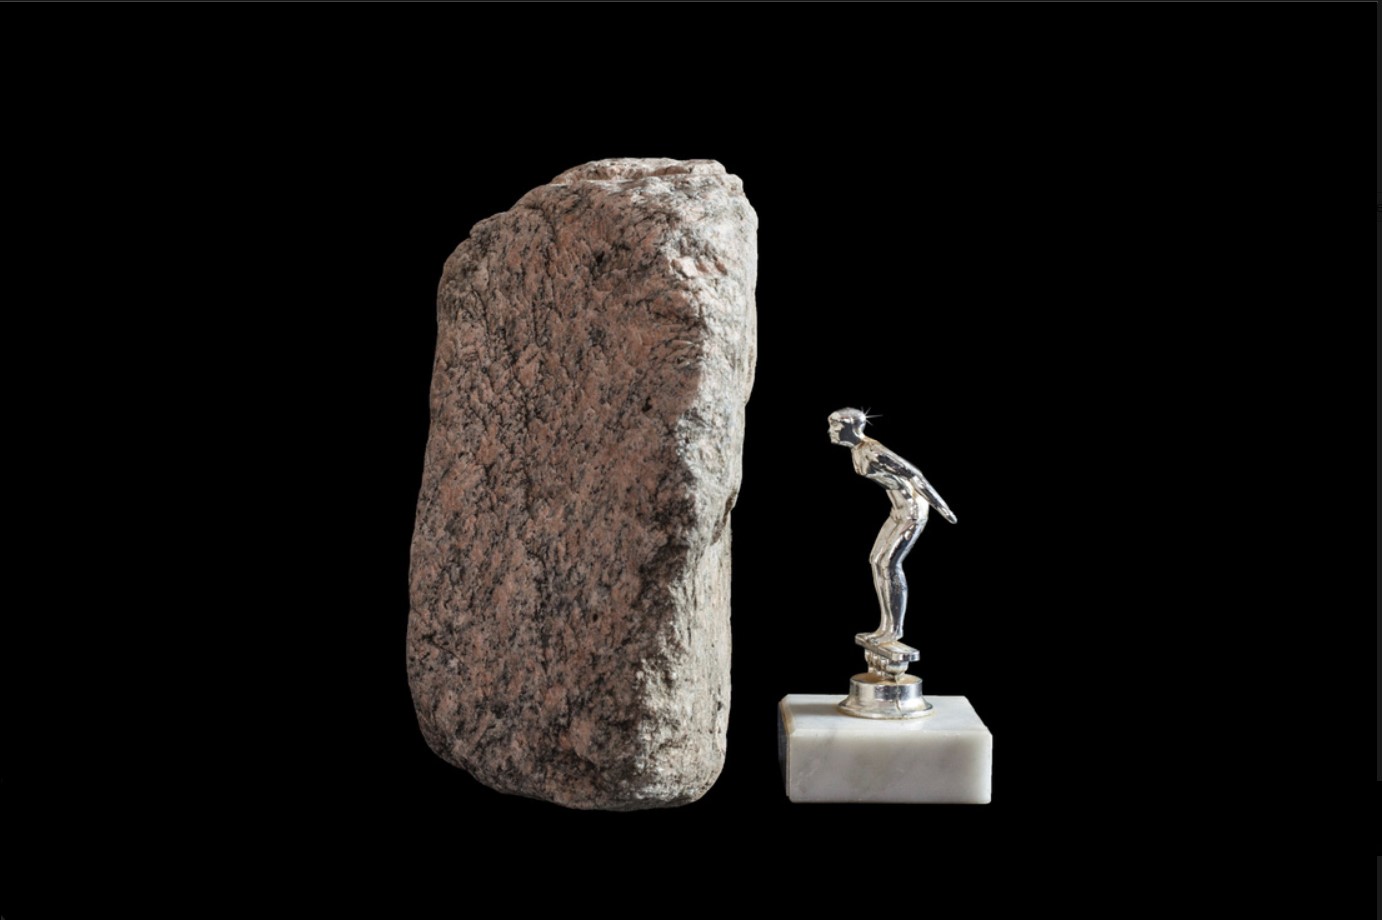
<point>887,691</point>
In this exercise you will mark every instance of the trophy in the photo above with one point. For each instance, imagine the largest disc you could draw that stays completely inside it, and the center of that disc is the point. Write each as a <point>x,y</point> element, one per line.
<point>885,742</point>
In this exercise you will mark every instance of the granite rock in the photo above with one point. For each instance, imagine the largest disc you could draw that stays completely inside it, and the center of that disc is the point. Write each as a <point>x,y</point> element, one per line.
<point>569,634</point>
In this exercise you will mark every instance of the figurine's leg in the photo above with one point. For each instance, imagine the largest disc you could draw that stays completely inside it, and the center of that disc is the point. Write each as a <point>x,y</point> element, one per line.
<point>896,579</point>
<point>881,562</point>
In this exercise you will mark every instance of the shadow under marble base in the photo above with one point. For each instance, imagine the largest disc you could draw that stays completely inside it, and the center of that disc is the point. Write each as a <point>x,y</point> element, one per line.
<point>828,756</point>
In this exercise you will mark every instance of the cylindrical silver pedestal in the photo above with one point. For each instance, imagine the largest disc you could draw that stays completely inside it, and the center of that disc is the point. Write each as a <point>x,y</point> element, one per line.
<point>873,697</point>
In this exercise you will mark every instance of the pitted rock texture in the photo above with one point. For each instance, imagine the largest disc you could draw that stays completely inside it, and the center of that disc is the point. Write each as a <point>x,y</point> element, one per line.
<point>569,635</point>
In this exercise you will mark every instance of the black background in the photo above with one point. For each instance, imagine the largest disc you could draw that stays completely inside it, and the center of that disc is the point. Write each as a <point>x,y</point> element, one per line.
<point>1097,268</point>
<point>1058,271</point>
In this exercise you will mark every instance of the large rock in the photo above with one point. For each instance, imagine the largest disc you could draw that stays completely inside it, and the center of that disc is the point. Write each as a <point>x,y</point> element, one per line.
<point>569,636</point>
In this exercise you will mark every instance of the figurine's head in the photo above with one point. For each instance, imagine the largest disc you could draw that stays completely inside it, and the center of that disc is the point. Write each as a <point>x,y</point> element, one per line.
<point>847,427</point>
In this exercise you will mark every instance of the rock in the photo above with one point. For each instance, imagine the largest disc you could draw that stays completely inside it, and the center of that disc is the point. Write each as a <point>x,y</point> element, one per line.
<point>569,634</point>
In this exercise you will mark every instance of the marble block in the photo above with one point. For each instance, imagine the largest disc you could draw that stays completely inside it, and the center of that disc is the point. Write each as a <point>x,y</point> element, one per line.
<point>828,756</point>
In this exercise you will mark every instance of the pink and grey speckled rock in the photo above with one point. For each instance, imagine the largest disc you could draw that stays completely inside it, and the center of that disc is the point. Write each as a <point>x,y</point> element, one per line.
<point>569,636</point>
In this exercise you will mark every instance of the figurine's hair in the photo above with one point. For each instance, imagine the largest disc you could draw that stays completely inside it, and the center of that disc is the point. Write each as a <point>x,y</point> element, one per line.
<point>853,416</point>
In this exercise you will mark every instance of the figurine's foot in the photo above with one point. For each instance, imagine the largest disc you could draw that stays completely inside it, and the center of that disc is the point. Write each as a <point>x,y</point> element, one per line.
<point>894,651</point>
<point>879,639</point>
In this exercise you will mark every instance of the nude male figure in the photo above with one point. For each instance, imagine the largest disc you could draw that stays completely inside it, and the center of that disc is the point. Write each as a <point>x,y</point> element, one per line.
<point>912,498</point>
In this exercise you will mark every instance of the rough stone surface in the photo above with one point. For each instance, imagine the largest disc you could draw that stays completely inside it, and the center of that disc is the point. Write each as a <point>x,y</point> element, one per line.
<point>569,636</point>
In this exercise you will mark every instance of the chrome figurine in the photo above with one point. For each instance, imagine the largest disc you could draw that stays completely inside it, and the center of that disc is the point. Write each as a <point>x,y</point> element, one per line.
<point>887,691</point>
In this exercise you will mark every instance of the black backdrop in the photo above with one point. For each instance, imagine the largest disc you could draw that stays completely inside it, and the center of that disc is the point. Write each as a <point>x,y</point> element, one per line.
<point>1078,258</point>
<point>1058,269</point>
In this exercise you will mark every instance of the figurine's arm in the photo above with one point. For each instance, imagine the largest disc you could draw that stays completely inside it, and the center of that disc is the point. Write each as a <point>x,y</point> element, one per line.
<point>896,466</point>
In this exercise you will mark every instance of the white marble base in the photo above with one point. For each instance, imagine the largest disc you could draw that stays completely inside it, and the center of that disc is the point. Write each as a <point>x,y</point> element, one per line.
<point>828,756</point>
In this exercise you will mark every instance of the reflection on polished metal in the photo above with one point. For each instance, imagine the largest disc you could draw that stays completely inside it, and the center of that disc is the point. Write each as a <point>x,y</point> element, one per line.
<point>875,697</point>
<point>887,691</point>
